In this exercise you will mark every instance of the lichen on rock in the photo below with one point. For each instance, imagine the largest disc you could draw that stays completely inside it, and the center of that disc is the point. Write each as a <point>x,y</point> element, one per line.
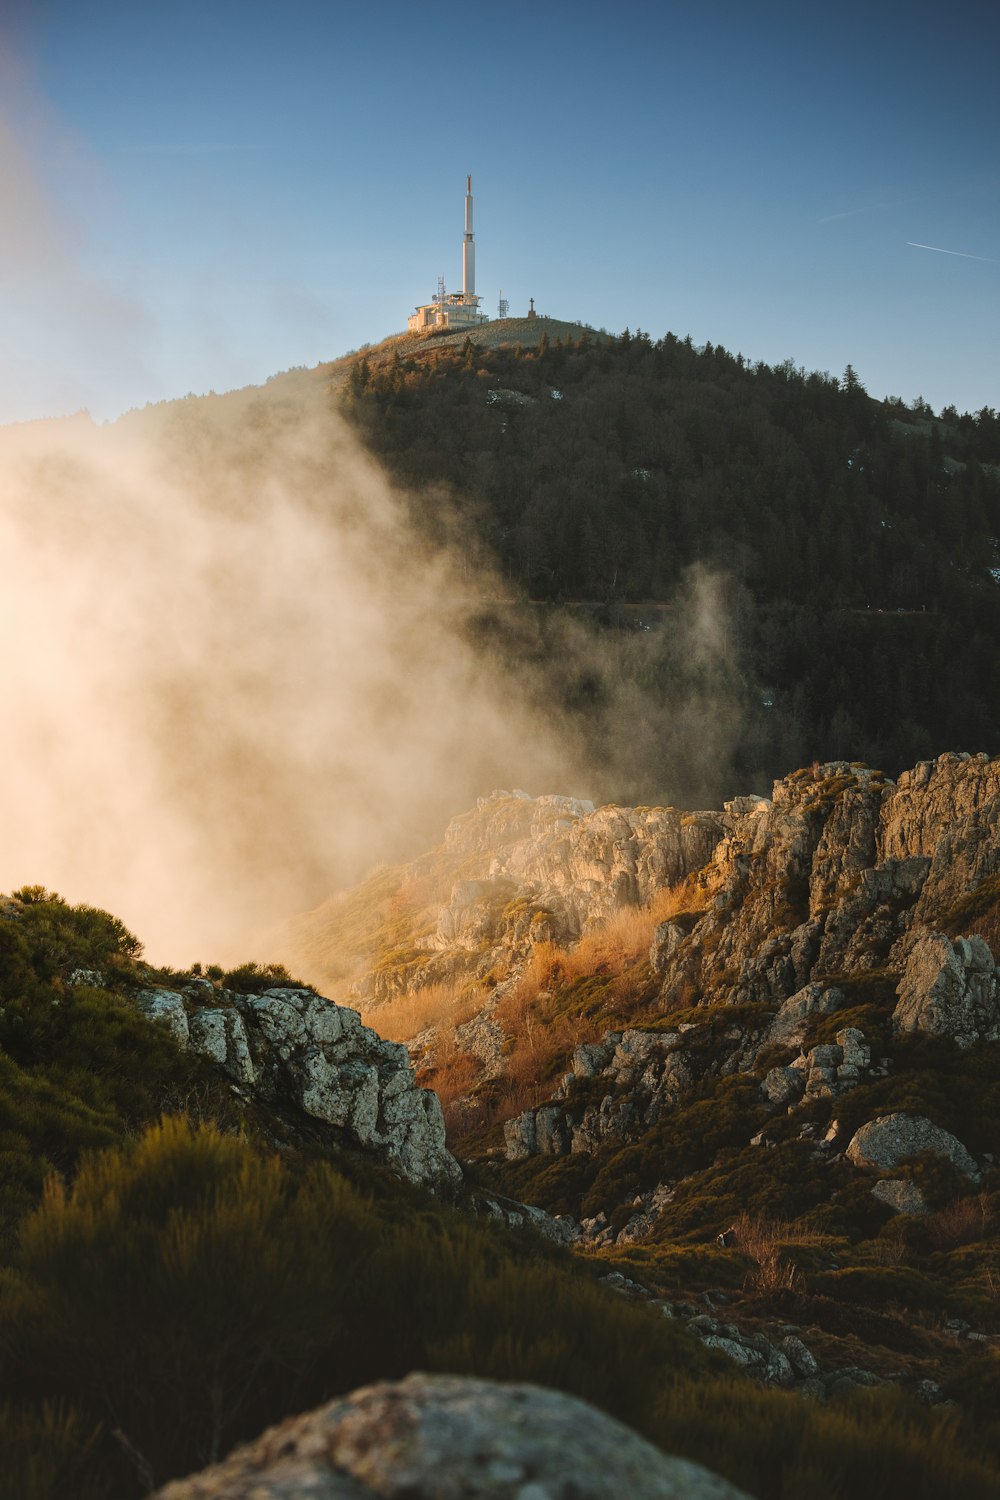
<point>892,1139</point>
<point>446,1437</point>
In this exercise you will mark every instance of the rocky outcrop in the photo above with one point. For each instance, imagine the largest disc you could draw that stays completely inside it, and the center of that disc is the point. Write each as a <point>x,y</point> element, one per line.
<point>517,871</point>
<point>168,1008</point>
<point>781,868</point>
<point>559,1228</point>
<point>815,901</point>
<point>636,1076</point>
<point>900,1194</point>
<point>826,1070</point>
<point>841,872</point>
<point>590,862</point>
<point>889,1141</point>
<point>949,989</point>
<point>826,882</point>
<point>618,1088</point>
<point>221,1035</point>
<point>447,1437</point>
<point>796,1014</point>
<point>946,811</point>
<point>291,1048</point>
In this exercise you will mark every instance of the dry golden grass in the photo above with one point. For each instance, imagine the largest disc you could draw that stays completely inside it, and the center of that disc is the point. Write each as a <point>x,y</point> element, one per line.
<point>543,1036</point>
<point>890,1248</point>
<point>693,894</point>
<point>614,954</point>
<point>617,942</point>
<point>770,1243</point>
<point>966,1221</point>
<point>451,1076</point>
<point>442,1006</point>
<point>628,933</point>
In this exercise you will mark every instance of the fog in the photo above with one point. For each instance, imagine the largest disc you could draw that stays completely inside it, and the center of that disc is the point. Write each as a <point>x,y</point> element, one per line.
<point>233,677</point>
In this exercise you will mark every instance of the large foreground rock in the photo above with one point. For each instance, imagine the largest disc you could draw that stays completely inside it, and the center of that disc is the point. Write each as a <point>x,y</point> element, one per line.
<point>446,1437</point>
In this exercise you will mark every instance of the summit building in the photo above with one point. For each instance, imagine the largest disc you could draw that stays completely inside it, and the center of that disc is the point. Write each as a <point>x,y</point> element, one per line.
<point>454,309</point>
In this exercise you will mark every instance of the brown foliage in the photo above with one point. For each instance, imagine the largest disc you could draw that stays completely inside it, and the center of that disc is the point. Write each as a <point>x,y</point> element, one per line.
<point>566,996</point>
<point>443,1006</point>
<point>965,1221</point>
<point>766,1242</point>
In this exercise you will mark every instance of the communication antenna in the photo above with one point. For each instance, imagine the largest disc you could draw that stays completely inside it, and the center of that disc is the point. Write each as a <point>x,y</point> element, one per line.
<point>503,306</point>
<point>440,291</point>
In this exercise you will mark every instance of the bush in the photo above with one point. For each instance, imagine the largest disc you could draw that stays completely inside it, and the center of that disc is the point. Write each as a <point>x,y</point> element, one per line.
<point>188,1291</point>
<point>254,979</point>
<point>45,1454</point>
<point>870,1444</point>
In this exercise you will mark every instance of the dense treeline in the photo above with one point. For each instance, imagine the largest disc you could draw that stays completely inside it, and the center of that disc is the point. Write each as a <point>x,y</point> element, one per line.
<point>855,539</point>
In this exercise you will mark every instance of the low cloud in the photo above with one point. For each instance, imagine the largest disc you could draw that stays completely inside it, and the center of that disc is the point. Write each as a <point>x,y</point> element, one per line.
<point>233,676</point>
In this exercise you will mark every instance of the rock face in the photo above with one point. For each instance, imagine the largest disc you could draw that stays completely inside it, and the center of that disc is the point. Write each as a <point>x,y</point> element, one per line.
<point>168,1008</point>
<point>843,872</point>
<point>450,1438</point>
<point>639,1075</point>
<point>794,903</point>
<point>887,1142</point>
<point>841,880</point>
<point>291,1047</point>
<point>517,871</point>
<point>949,989</point>
<point>617,1088</point>
<point>588,863</point>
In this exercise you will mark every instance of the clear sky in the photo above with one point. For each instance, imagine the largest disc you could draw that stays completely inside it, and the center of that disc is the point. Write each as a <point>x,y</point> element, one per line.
<point>198,195</point>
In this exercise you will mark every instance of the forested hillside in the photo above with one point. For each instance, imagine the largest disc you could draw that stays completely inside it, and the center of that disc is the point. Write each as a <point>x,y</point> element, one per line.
<point>854,541</point>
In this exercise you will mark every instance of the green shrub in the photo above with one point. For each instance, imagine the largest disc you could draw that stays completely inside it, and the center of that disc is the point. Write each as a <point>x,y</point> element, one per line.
<point>254,979</point>
<point>870,1444</point>
<point>879,1286</point>
<point>44,1455</point>
<point>188,1281</point>
<point>189,1290</point>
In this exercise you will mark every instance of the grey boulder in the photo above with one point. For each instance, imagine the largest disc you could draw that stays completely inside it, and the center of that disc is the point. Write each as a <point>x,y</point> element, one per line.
<point>887,1142</point>
<point>445,1437</point>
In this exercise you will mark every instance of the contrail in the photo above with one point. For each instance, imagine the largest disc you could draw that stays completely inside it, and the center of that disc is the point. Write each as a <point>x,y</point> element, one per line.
<point>917,246</point>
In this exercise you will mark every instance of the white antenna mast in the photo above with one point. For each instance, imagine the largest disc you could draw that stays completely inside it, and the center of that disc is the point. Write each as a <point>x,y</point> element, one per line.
<point>468,249</point>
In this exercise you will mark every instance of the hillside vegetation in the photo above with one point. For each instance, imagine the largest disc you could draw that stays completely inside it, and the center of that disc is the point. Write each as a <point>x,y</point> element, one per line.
<point>661,1041</point>
<point>856,541</point>
<point>174,1284</point>
<point>677,1032</point>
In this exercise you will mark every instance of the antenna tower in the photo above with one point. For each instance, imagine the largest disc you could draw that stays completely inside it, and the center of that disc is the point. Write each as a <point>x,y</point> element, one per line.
<point>503,307</point>
<point>440,291</point>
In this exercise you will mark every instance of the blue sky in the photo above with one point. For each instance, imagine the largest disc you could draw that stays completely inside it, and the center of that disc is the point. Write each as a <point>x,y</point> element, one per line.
<point>200,195</point>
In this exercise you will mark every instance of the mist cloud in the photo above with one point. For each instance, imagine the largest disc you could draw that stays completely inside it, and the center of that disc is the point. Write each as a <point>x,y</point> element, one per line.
<point>232,674</point>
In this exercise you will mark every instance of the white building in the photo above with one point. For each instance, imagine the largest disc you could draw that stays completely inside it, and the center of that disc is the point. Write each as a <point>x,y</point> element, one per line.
<point>454,309</point>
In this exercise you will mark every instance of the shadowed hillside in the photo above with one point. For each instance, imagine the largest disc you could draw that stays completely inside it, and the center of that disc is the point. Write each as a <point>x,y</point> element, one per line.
<point>855,540</point>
